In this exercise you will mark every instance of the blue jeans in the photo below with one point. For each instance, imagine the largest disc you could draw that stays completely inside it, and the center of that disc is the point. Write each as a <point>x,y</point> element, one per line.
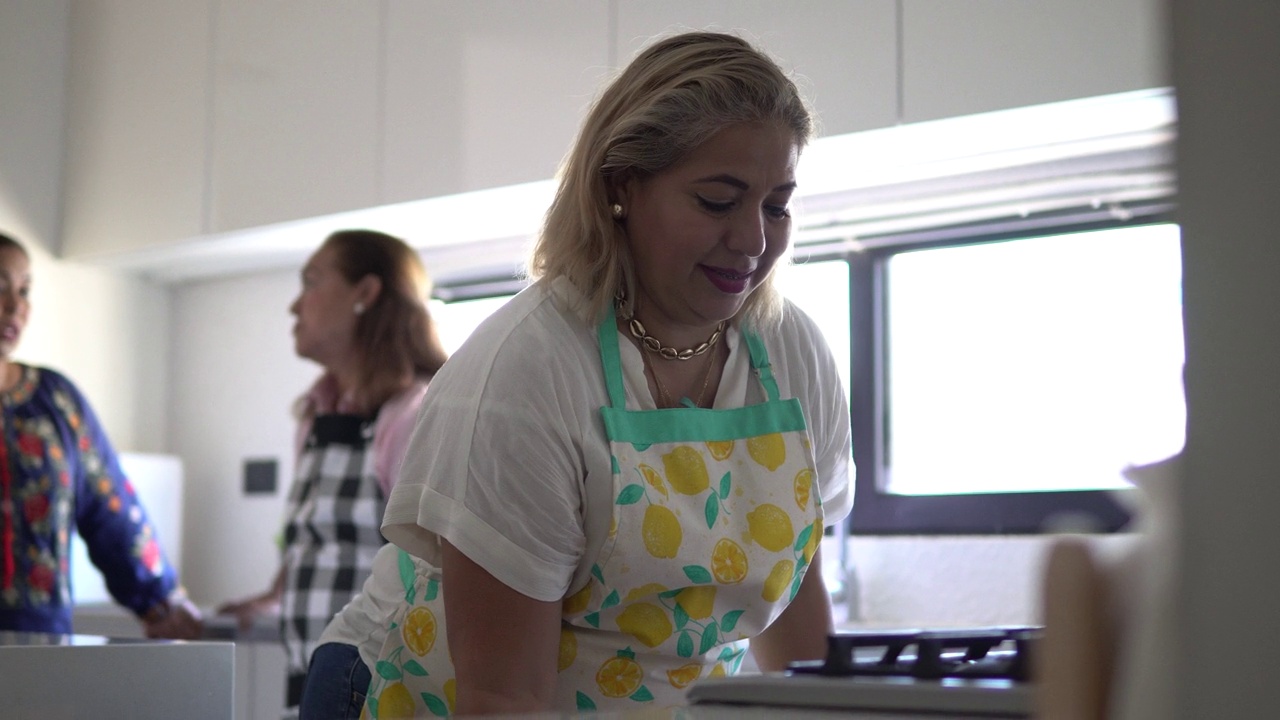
<point>337,681</point>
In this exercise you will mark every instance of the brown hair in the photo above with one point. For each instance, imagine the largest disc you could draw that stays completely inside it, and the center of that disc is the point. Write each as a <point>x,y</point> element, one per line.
<point>672,98</point>
<point>8,242</point>
<point>396,336</point>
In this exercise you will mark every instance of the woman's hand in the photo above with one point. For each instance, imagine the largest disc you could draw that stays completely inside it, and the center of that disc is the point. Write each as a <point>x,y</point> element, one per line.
<point>175,619</point>
<point>504,644</point>
<point>246,611</point>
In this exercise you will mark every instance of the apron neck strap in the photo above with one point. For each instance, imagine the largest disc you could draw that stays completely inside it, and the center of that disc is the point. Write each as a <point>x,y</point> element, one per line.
<point>611,359</point>
<point>760,363</point>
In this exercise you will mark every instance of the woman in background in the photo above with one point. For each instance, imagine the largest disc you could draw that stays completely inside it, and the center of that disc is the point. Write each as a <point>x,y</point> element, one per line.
<point>620,481</point>
<point>60,475</point>
<point>362,316</point>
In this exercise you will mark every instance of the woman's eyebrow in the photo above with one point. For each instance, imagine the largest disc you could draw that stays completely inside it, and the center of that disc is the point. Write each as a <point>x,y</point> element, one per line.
<point>740,184</point>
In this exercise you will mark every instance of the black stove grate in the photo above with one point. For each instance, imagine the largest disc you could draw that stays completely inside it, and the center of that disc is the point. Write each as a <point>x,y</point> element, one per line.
<point>985,653</point>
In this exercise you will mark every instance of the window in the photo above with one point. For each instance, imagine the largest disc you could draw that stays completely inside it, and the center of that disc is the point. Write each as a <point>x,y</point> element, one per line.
<point>456,320</point>
<point>1004,382</point>
<point>998,382</point>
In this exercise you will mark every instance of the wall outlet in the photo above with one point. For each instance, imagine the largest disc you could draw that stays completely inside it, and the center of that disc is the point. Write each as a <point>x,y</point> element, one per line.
<point>260,476</point>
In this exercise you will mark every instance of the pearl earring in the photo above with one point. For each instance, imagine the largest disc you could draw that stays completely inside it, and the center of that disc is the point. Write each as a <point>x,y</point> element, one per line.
<point>616,210</point>
<point>359,308</point>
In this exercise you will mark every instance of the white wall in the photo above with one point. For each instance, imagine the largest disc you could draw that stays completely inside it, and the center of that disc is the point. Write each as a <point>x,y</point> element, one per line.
<point>235,378</point>
<point>109,333</point>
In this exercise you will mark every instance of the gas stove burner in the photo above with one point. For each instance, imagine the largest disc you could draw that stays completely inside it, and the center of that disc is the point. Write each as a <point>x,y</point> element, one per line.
<point>929,654</point>
<point>969,673</point>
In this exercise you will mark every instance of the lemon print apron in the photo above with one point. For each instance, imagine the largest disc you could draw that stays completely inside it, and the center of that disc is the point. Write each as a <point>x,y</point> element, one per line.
<point>716,517</point>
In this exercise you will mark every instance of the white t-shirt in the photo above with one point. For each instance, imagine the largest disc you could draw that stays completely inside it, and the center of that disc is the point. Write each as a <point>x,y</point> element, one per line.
<point>509,460</point>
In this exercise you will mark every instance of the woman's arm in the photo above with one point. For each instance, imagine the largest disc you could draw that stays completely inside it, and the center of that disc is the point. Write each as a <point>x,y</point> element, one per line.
<point>110,517</point>
<point>800,632</point>
<point>503,643</point>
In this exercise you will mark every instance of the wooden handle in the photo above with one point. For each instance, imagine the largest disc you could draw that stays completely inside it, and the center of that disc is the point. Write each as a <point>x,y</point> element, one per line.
<point>1075,659</point>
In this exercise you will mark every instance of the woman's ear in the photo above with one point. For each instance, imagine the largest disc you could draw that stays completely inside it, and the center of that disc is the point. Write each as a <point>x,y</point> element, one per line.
<point>620,192</point>
<point>368,288</point>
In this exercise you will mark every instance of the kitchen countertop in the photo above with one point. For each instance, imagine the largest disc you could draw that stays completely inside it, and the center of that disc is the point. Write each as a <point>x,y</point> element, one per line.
<point>730,712</point>
<point>78,677</point>
<point>111,620</point>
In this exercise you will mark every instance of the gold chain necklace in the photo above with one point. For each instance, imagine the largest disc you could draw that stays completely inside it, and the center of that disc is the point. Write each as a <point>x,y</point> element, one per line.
<point>655,346</point>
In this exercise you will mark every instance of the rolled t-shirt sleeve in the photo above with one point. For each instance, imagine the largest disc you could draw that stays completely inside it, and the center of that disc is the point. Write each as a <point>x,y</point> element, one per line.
<point>495,466</point>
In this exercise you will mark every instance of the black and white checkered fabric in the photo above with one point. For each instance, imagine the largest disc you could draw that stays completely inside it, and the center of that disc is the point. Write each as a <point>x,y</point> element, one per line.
<point>333,532</point>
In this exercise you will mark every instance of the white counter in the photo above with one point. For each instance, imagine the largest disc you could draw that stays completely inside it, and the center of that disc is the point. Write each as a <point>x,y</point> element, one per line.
<point>82,677</point>
<point>260,661</point>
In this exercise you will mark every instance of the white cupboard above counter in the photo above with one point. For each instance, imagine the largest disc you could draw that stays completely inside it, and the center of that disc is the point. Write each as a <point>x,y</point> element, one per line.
<point>243,115</point>
<point>855,189</point>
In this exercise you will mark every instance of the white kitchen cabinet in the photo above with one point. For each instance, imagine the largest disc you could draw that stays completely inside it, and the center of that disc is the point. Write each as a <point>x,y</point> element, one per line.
<point>961,57</point>
<point>136,125</point>
<point>198,117</point>
<point>487,92</point>
<point>33,46</point>
<point>844,53</point>
<point>295,110</point>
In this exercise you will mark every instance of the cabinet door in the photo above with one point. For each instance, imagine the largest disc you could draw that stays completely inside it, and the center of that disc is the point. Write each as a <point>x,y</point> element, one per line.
<point>966,56</point>
<point>842,53</point>
<point>487,92</point>
<point>33,55</point>
<point>137,117</point>
<point>295,110</point>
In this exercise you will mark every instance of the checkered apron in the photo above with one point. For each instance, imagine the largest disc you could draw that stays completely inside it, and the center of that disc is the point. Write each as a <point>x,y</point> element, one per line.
<point>333,532</point>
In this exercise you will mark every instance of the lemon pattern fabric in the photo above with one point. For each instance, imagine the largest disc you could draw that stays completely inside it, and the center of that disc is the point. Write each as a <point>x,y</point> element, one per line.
<point>413,676</point>
<point>715,523</point>
<point>714,526</point>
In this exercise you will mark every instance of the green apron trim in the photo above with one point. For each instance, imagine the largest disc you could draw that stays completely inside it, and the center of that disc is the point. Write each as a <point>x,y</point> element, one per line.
<point>694,424</point>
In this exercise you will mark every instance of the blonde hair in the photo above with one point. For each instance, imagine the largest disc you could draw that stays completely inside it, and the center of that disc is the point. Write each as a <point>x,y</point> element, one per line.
<point>671,99</point>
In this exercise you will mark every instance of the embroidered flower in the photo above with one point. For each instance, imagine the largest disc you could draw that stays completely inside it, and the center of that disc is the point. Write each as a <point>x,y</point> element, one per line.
<point>150,556</point>
<point>30,444</point>
<point>35,508</point>
<point>114,504</point>
<point>41,578</point>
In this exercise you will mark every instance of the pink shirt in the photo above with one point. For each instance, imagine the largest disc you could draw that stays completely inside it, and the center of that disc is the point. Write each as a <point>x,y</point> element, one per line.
<point>390,432</point>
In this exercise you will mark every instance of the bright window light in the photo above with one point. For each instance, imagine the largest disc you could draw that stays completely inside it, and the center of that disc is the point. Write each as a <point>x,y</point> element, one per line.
<point>456,320</point>
<point>1037,364</point>
<point>821,289</point>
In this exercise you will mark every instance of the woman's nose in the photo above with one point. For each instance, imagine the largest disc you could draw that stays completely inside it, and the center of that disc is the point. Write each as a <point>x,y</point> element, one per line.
<point>747,234</point>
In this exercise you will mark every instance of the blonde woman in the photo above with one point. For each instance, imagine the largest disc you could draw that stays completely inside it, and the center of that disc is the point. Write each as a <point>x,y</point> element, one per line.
<point>620,481</point>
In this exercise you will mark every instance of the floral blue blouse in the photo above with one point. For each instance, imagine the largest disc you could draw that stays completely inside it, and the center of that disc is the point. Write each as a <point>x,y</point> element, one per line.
<point>60,475</point>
